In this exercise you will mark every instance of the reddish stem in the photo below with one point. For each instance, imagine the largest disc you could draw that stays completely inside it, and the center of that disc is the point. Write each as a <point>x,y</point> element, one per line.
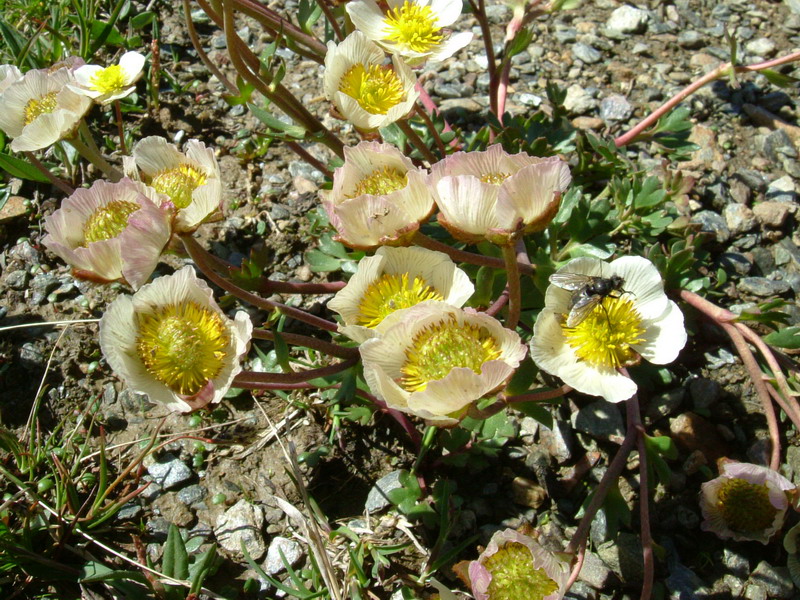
<point>514,289</point>
<point>467,257</point>
<point>308,342</point>
<point>538,396</point>
<point>56,181</point>
<point>247,377</point>
<point>498,304</point>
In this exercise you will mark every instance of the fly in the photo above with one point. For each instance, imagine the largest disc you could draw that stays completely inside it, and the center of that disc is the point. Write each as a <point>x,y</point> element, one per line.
<point>587,292</point>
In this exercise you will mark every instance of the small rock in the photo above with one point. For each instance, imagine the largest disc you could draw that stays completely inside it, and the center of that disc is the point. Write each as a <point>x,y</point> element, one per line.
<point>690,39</point>
<point>627,19</point>
<point>17,280</point>
<point>615,108</point>
<point>772,213</point>
<point>739,218</point>
<point>292,552</point>
<point>763,287</point>
<point>169,471</point>
<point>692,432</point>
<point>735,562</point>
<point>624,557</point>
<point>601,420</point>
<point>752,179</point>
<point>242,524</point>
<point>586,53</point>
<point>578,100</point>
<point>775,580</point>
<point>526,493</point>
<point>735,262</point>
<point>719,358</point>
<point>376,499</point>
<point>192,494</point>
<point>782,190</point>
<point>761,47</point>
<point>663,405</point>
<point>557,441</point>
<point>129,511</point>
<point>588,123</point>
<point>15,207</point>
<point>704,392</point>
<point>595,572</point>
<point>713,223</point>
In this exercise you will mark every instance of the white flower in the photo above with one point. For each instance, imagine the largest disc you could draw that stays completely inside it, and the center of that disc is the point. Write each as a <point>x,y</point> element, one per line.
<point>365,91</point>
<point>433,360</point>
<point>110,231</point>
<point>494,195</point>
<point>191,180</point>
<point>641,321</point>
<point>8,75</point>
<point>39,109</point>
<point>172,341</point>
<point>378,196</point>
<point>394,279</point>
<point>746,502</point>
<point>414,30</point>
<point>106,84</point>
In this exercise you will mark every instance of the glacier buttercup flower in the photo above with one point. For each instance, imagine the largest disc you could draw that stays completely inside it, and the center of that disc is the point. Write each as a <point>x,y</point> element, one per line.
<point>39,109</point>
<point>433,360</point>
<point>517,566</point>
<point>8,75</point>
<point>495,195</point>
<point>366,91</point>
<point>745,503</point>
<point>106,84</point>
<point>172,341</point>
<point>638,322</point>
<point>110,231</point>
<point>191,180</point>
<point>378,196</point>
<point>394,279</point>
<point>415,30</point>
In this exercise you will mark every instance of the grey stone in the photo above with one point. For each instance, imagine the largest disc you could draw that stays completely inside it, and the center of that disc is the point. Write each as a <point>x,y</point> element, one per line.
<point>218,42</point>
<point>129,511</point>
<point>530,100</point>
<point>755,592</point>
<point>687,517</point>
<point>735,562</point>
<point>690,39</point>
<point>735,262</point>
<point>627,19</point>
<point>704,392</point>
<point>624,557</point>
<point>761,286</point>
<point>17,280</point>
<point>41,285</point>
<point>684,584</point>
<point>789,253</point>
<point>761,47</point>
<point>376,499</point>
<point>752,179</point>
<point>291,550</point>
<point>595,572</point>
<point>601,420</point>
<point>793,461</point>
<point>568,35</point>
<point>775,580</point>
<point>578,100</point>
<point>30,353</point>
<point>663,405</point>
<point>192,494</point>
<point>169,471</point>
<point>713,223</point>
<point>777,145</point>
<point>739,218</point>
<point>615,108</point>
<point>581,591</point>
<point>109,393</point>
<point>782,190</point>
<point>241,525</point>
<point>772,213</point>
<point>719,358</point>
<point>557,441</point>
<point>586,53</point>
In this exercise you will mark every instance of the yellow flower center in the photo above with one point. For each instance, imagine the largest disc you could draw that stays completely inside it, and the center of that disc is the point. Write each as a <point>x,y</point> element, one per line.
<point>442,347</point>
<point>514,576</point>
<point>381,182</point>
<point>179,183</point>
<point>376,89</point>
<point>412,27</point>
<point>606,336</point>
<point>109,80</point>
<point>494,178</point>
<point>745,506</point>
<point>391,293</point>
<point>39,106</point>
<point>182,345</point>
<point>108,221</point>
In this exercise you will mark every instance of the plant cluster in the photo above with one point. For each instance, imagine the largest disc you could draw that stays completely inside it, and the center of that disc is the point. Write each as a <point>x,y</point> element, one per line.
<point>473,273</point>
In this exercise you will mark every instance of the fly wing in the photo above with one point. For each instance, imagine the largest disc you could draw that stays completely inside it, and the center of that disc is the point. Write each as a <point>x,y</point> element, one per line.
<point>571,281</point>
<point>582,309</point>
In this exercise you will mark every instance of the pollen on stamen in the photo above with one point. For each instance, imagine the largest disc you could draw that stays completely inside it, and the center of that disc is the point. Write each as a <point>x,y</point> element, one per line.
<point>745,506</point>
<point>182,345</point>
<point>109,80</point>
<point>494,178</point>
<point>605,338</point>
<point>413,27</point>
<point>39,106</point>
<point>108,221</point>
<point>515,576</point>
<point>444,346</point>
<point>179,183</point>
<point>377,89</point>
<point>390,293</point>
<point>381,182</point>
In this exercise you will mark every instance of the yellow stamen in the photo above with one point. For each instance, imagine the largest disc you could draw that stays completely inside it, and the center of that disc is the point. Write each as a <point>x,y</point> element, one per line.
<point>745,506</point>
<point>605,337</point>
<point>444,346</point>
<point>39,106</point>
<point>381,182</point>
<point>413,27</point>
<point>108,221</point>
<point>376,89</point>
<point>182,345</point>
<point>390,293</point>
<point>179,183</point>
<point>494,178</point>
<point>514,576</point>
<point>109,80</point>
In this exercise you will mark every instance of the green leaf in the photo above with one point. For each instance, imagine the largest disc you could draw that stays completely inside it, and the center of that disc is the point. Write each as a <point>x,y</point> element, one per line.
<point>281,352</point>
<point>202,568</point>
<point>674,121</point>
<point>175,561</point>
<point>537,411</point>
<point>779,79</point>
<point>568,202</point>
<point>93,572</point>
<point>142,19</point>
<point>319,262</point>
<point>287,129</point>
<point>788,337</point>
<point>20,168</point>
<point>105,33</point>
